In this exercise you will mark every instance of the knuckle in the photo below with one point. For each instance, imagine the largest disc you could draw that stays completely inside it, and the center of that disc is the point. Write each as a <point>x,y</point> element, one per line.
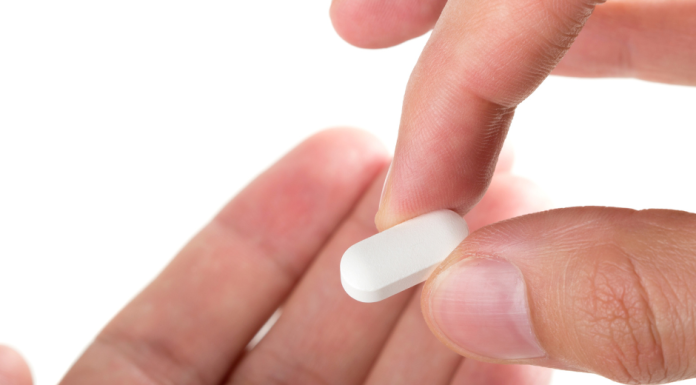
<point>614,320</point>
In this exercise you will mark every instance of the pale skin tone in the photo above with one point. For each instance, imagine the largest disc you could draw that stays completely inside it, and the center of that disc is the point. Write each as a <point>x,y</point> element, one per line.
<point>278,244</point>
<point>625,305</point>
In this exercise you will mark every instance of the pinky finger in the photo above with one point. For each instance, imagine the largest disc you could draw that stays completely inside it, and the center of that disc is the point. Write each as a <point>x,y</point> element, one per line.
<point>13,369</point>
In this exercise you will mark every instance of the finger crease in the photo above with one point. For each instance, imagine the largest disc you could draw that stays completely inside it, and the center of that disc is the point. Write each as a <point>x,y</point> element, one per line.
<point>154,361</point>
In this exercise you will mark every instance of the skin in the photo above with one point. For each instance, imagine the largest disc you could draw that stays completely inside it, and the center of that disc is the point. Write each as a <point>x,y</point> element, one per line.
<point>13,369</point>
<point>485,57</point>
<point>278,243</point>
<point>608,290</point>
<point>482,60</point>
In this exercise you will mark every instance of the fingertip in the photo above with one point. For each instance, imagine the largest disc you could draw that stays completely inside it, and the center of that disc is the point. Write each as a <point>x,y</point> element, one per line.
<point>13,368</point>
<point>383,23</point>
<point>479,306</point>
<point>508,196</point>
<point>357,22</point>
<point>348,23</point>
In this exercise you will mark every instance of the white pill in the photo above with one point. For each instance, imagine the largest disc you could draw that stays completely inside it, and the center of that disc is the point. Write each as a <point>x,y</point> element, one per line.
<point>400,257</point>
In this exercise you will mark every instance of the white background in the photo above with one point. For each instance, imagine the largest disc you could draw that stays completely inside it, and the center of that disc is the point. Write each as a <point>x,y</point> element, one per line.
<point>124,126</point>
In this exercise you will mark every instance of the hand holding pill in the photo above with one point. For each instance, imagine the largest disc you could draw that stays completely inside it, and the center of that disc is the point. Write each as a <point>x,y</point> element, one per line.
<point>595,289</point>
<point>400,257</point>
<point>259,295</point>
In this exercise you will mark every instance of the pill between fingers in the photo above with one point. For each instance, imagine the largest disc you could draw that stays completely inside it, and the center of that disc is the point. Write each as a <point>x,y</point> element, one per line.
<point>402,256</point>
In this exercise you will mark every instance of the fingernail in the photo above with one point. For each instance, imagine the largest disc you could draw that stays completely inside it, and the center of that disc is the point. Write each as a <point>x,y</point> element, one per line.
<point>384,186</point>
<point>481,306</point>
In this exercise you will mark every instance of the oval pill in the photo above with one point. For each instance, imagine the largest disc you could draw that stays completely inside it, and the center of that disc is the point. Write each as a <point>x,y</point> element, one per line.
<point>400,257</point>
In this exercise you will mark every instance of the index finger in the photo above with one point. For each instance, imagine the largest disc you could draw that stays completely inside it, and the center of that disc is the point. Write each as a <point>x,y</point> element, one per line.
<point>483,58</point>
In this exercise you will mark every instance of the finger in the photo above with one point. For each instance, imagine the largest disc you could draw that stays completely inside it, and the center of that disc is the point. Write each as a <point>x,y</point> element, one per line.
<point>383,23</point>
<point>191,323</point>
<point>647,39</point>
<point>603,290</point>
<point>13,369</point>
<point>324,336</point>
<point>483,58</point>
<point>505,160</point>
<point>412,354</point>
<point>477,372</point>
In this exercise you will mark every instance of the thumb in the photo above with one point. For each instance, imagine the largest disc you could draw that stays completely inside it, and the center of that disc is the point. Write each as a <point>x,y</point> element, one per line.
<point>13,369</point>
<point>603,290</point>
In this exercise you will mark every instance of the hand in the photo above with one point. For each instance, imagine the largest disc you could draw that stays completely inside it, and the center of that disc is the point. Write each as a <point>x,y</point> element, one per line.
<point>278,244</point>
<point>602,290</point>
<point>483,58</point>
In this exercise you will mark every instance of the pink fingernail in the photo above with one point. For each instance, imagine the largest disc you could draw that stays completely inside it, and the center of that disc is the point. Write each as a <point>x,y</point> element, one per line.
<point>481,306</point>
